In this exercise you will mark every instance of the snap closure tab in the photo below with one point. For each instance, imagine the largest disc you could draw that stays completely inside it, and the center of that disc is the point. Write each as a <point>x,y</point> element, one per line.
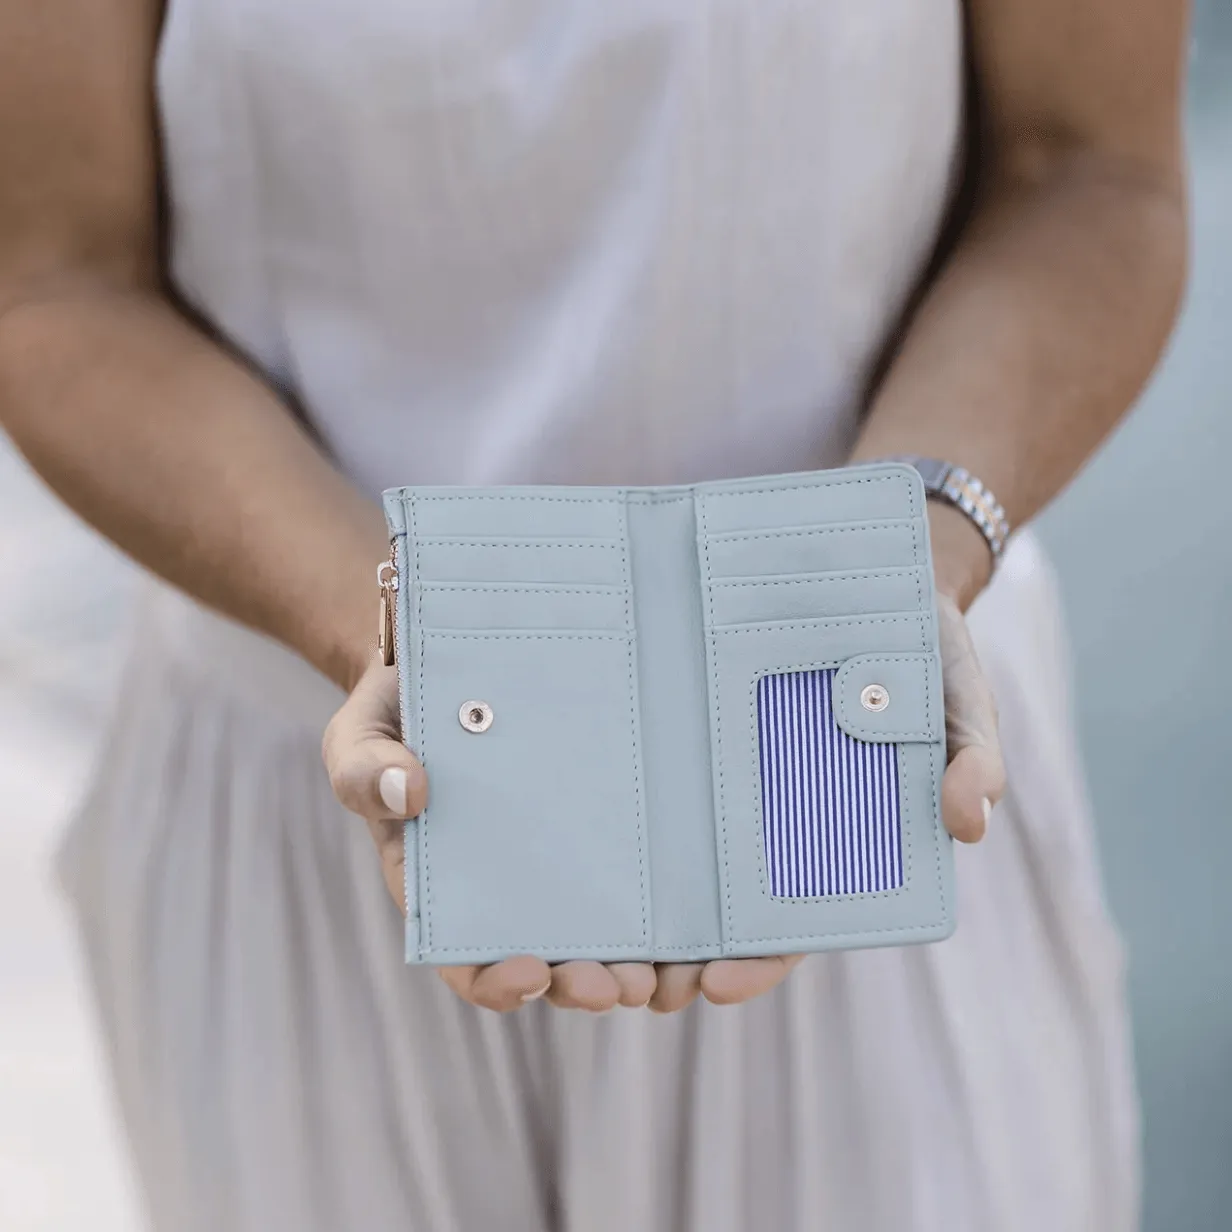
<point>874,697</point>
<point>475,716</point>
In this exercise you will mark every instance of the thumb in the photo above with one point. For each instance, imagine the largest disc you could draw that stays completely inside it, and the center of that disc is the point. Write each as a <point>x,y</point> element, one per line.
<point>370,770</point>
<point>975,776</point>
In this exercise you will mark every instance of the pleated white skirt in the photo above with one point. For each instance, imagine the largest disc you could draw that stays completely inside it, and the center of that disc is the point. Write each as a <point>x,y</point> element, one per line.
<point>278,1067</point>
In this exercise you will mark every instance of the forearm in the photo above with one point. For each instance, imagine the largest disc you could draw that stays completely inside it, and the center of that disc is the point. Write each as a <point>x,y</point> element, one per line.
<point>172,448</point>
<point>1034,341</point>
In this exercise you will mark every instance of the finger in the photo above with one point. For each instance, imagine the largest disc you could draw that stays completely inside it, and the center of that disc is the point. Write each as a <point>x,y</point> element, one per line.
<point>975,777</point>
<point>636,982</point>
<point>391,850</point>
<point>970,708</point>
<point>729,981</point>
<point>973,782</point>
<point>583,986</point>
<point>677,985</point>
<point>503,986</point>
<point>370,770</point>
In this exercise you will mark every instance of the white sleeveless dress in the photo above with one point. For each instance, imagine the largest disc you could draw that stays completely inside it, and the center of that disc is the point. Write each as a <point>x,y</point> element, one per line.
<point>533,240</point>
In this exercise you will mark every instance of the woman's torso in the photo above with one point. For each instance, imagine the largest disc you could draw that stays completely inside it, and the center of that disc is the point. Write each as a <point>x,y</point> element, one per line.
<point>529,240</point>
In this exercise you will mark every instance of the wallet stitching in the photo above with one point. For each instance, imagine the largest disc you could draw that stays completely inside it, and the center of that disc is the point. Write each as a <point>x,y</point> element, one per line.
<point>712,687</point>
<point>401,628</point>
<point>519,496</point>
<point>423,830</point>
<point>739,539</point>
<point>812,487</point>
<point>522,588</point>
<point>869,525</point>
<point>937,839</point>
<point>634,727</point>
<point>904,831</point>
<point>862,731</point>
<point>775,626</point>
<point>626,952</point>
<point>608,953</point>
<point>819,623</point>
<point>490,635</point>
<point>515,542</point>
<point>744,537</point>
<point>836,577</point>
<point>635,497</point>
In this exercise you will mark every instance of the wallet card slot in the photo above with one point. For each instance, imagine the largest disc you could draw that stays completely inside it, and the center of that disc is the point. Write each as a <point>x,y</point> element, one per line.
<point>840,633</point>
<point>801,528</point>
<point>514,605</point>
<point>858,592</point>
<point>563,733</point>
<point>830,803</point>
<point>867,494</point>
<point>583,562</point>
<point>532,631</point>
<point>827,549</point>
<point>776,888</point>
<point>519,541</point>
<point>502,512</point>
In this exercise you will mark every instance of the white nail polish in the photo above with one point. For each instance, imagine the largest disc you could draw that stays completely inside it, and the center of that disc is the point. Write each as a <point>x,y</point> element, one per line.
<point>392,787</point>
<point>987,809</point>
<point>534,996</point>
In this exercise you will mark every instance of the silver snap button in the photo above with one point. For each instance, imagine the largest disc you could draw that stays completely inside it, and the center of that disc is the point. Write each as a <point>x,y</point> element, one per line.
<point>874,697</point>
<point>475,716</point>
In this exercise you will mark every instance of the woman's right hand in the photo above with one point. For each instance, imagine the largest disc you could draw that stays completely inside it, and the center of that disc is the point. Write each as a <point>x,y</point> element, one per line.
<point>375,775</point>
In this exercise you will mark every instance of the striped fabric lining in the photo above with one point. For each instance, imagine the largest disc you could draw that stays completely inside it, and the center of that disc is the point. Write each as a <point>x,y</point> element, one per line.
<point>830,808</point>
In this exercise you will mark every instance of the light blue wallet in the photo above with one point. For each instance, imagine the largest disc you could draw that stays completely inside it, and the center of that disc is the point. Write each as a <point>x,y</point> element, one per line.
<point>672,723</point>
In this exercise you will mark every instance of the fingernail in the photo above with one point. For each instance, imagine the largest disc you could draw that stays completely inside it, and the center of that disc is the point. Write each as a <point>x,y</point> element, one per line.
<point>392,787</point>
<point>534,996</point>
<point>987,809</point>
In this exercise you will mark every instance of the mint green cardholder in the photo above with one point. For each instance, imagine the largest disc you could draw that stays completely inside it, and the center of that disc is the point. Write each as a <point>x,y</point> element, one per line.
<point>674,723</point>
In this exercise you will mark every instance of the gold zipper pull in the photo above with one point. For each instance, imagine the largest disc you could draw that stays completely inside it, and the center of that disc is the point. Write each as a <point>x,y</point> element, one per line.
<point>387,578</point>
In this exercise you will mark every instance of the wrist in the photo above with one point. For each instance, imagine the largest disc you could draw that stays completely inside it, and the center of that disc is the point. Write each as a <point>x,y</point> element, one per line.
<point>350,644</point>
<point>335,628</point>
<point>962,559</point>
<point>340,645</point>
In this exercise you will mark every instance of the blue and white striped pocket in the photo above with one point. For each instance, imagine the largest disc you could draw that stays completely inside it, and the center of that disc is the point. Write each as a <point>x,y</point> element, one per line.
<point>831,819</point>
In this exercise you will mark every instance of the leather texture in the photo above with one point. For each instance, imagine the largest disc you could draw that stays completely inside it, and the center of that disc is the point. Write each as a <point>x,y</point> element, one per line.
<point>613,808</point>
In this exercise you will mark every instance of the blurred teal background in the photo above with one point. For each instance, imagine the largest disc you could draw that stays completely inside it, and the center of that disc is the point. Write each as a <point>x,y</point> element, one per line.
<point>1143,542</point>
